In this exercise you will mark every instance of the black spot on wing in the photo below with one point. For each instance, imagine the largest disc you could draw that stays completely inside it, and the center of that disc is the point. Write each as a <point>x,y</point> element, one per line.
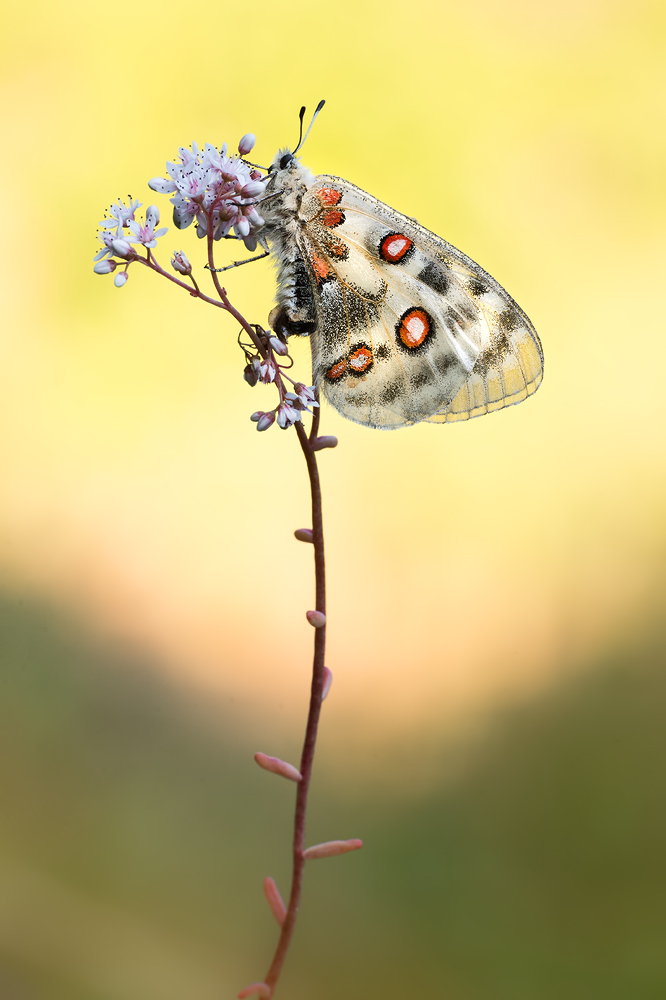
<point>390,392</point>
<point>422,377</point>
<point>443,362</point>
<point>435,277</point>
<point>509,320</point>
<point>382,351</point>
<point>477,288</point>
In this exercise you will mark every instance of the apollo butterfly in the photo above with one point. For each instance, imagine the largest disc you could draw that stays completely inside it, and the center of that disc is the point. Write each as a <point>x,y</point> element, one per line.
<point>406,328</point>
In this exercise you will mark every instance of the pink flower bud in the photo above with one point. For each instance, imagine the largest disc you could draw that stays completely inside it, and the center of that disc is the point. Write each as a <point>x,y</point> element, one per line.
<point>120,279</point>
<point>327,441</point>
<point>278,766</point>
<point>278,346</point>
<point>121,247</point>
<point>180,263</point>
<point>257,416</point>
<point>105,267</point>
<point>328,680</point>
<point>255,989</point>
<point>272,893</point>
<point>246,145</point>
<point>265,421</point>
<point>242,227</point>
<point>330,848</point>
<point>304,535</point>
<point>316,618</point>
<point>252,189</point>
<point>256,175</point>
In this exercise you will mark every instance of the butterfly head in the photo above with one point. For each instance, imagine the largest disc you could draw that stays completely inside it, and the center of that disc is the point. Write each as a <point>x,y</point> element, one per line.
<point>288,180</point>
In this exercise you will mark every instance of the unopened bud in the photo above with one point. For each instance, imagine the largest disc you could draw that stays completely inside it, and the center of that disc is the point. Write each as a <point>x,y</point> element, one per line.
<point>105,266</point>
<point>252,189</point>
<point>120,279</point>
<point>278,766</point>
<point>257,416</point>
<point>153,216</point>
<point>328,680</point>
<point>274,899</point>
<point>327,441</point>
<point>242,227</point>
<point>304,535</point>
<point>265,421</point>
<point>255,990</point>
<point>121,247</point>
<point>316,618</point>
<point>251,375</point>
<point>180,263</point>
<point>330,848</point>
<point>278,346</point>
<point>246,145</point>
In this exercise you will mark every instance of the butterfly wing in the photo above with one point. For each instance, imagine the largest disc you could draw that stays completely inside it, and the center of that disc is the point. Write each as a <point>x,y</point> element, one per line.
<point>408,327</point>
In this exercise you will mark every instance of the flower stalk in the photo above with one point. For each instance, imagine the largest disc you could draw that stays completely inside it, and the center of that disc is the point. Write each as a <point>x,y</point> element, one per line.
<point>219,192</point>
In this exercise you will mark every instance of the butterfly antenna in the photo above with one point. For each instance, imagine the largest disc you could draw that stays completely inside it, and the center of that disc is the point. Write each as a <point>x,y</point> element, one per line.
<point>301,137</point>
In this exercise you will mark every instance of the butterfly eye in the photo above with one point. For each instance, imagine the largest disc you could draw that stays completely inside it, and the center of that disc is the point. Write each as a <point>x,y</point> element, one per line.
<point>286,160</point>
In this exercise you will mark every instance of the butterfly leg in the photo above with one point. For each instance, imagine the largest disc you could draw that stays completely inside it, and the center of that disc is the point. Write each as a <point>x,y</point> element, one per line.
<point>237,263</point>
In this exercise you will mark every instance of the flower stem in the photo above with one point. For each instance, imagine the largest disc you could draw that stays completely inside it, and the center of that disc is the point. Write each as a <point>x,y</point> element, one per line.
<point>307,756</point>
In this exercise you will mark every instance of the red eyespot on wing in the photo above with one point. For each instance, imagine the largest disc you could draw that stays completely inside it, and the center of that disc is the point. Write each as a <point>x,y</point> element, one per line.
<point>394,247</point>
<point>329,197</point>
<point>337,370</point>
<point>413,327</point>
<point>333,218</point>
<point>360,359</point>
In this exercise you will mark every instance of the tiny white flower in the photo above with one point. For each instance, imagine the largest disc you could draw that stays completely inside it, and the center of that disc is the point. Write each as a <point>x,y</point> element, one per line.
<point>287,415</point>
<point>120,214</point>
<point>268,371</point>
<point>306,394</point>
<point>180,263</point>
<point>146,234</point>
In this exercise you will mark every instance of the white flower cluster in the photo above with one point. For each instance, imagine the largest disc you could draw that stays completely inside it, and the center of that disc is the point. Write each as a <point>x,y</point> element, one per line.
<point>216,189</point>
<point>120,230</point>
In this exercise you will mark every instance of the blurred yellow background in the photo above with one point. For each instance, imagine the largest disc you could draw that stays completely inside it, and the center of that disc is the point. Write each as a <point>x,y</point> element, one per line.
<point>473,568</point>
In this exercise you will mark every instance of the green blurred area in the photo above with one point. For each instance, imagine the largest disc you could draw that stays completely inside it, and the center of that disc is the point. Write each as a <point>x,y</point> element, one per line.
<point>136,831</point>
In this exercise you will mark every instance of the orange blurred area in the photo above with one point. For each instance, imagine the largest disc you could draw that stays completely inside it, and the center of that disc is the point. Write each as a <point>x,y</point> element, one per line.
<point>471,567</point>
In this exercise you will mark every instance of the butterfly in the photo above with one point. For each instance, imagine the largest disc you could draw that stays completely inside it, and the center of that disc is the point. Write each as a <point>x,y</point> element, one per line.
<point>405,327</point>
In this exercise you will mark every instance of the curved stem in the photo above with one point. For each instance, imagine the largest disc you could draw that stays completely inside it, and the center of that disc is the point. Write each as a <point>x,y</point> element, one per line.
<point>307,756</point>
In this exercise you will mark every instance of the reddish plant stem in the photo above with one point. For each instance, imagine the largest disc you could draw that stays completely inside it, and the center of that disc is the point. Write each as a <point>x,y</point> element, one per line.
<point>307,756</point>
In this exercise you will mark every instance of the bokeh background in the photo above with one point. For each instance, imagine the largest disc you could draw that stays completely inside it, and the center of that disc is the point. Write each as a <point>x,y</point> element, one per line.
<point>495,731</point>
